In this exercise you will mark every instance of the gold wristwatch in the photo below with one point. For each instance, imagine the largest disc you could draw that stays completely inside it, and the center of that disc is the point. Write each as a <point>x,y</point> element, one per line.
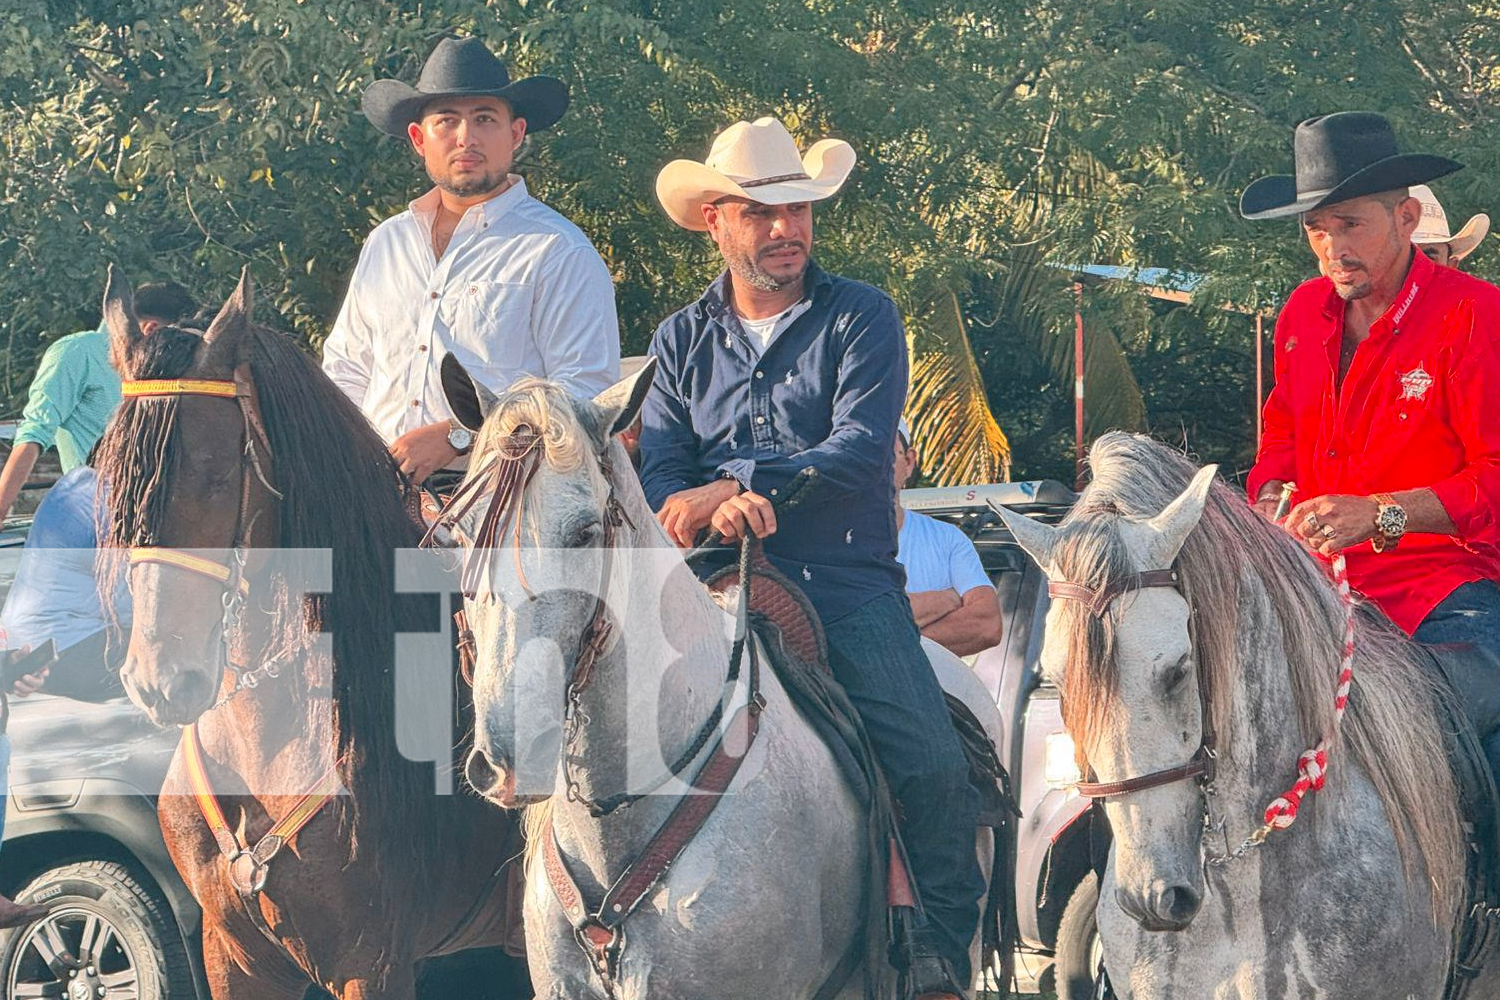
<point>1390,522</point>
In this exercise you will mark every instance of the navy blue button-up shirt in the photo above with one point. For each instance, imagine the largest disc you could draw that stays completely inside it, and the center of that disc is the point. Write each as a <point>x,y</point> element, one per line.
<point>827,392</point>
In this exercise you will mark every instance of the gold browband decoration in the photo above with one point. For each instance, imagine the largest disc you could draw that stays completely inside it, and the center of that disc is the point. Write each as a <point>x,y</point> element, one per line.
<point>187,561</point>
<point>179,387</point>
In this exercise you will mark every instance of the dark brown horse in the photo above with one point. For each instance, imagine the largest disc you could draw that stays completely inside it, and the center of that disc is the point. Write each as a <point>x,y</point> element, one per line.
<point>232,441</point>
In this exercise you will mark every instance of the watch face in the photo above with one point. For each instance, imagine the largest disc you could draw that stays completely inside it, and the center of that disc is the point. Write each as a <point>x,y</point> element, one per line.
<point>1392,520</point>
<point>460,437</point>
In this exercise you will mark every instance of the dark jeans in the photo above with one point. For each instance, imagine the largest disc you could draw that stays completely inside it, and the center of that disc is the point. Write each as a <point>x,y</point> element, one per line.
<point>876,654</point>
<point>1471,614</point>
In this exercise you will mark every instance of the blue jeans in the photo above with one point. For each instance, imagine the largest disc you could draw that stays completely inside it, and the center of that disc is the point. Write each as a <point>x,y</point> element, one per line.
<point>1471,614</point>
<point>876,654</point>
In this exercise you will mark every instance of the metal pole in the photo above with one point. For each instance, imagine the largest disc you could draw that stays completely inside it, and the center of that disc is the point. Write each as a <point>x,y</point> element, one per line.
<point>1078,383</point>
<point>1260,375</point>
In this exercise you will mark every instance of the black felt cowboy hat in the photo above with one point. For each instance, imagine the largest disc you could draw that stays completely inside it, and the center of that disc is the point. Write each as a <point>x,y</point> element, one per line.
<point>463,67</point>
<point>1341,156</point>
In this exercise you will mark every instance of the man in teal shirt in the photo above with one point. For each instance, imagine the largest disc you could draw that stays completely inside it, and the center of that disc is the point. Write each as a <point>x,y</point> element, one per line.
<point>75,391</point>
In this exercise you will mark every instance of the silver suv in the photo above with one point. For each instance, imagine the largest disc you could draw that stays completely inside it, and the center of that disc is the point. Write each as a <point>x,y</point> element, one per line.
<point>1055,888</point>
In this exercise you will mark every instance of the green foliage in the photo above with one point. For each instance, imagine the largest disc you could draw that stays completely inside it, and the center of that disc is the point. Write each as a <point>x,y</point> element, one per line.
<point>187,139</point>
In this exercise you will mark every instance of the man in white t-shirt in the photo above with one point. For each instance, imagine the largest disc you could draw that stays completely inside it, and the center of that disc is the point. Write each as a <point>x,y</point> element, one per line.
<point>951,596</point>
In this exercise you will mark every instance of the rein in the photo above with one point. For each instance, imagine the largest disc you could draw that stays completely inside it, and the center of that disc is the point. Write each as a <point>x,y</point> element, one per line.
<point>1312,765</point>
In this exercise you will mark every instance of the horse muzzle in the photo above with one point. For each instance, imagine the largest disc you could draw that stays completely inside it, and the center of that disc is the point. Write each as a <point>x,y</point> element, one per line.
<point>494,783</point>
<point>1162,907</point>
<point>172,696</point>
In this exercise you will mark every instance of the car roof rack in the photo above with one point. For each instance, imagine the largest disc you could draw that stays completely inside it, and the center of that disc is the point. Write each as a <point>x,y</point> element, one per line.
<point>969,506</point>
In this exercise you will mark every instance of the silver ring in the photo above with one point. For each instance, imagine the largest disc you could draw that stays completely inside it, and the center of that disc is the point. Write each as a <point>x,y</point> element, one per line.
<point>1311,520</point>
<point>1328,531</point>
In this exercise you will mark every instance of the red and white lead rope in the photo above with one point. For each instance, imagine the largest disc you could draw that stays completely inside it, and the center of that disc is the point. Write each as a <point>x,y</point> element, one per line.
<point>1312,766</point>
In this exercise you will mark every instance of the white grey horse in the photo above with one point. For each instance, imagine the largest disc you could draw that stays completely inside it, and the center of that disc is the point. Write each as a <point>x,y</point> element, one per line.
<point>766,899</point>
<point>1359,898</point>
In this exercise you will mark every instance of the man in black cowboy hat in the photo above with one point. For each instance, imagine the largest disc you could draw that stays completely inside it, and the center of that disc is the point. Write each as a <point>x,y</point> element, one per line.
<point>476,267</point>
<point>1387,370</point>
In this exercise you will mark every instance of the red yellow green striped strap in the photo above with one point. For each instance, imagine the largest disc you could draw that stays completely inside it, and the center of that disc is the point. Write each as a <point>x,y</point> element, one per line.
<point>179,387</point>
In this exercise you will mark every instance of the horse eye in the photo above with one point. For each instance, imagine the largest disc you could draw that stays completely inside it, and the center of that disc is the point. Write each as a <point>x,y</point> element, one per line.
<point>1173,677</point>
<point>585,536</point>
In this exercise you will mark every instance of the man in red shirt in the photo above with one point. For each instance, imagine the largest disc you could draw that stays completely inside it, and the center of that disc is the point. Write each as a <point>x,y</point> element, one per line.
<point>1387,375</point>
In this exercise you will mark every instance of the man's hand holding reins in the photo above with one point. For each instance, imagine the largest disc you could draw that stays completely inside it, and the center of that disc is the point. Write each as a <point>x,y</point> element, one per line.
<point>424,451</point>
<point>1332,523</point>
<point>688,512</point>
<point>745,509</point>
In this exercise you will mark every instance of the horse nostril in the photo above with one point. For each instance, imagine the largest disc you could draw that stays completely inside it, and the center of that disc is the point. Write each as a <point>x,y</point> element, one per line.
<point>484,776</point>
<point>1179,905</point>
<point>188,690</point>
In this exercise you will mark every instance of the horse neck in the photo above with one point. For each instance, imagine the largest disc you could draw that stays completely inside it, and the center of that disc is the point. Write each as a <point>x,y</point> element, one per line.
<point>1261,738</point>
<point>652,690</point>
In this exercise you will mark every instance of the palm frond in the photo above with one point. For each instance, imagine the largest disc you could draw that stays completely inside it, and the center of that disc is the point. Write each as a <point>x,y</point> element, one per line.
<point>947,407</point>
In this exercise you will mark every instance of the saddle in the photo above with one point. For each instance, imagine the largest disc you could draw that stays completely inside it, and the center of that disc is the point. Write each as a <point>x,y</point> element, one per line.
<point>1472,710</point>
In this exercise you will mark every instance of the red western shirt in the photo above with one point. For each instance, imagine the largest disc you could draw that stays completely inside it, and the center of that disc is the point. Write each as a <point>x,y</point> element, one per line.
<point>1419,408</point>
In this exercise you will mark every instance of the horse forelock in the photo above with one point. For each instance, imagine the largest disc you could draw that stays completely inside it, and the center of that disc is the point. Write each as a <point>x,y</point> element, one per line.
<point>546,409</point>
<point>1235,570</point>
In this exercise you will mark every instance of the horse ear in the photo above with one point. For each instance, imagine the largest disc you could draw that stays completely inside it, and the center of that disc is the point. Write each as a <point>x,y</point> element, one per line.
<point>1178,519</point>
<point>225,336</point>
<point>119,317</point>
<point>1033,536</point>
<point>469,400</point>
<point>621,403</point>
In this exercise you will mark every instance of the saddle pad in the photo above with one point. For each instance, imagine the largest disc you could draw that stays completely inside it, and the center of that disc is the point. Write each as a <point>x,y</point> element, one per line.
<point>781,603</point>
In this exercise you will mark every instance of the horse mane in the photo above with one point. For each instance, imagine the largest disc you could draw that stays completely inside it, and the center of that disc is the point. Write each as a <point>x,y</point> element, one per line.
<point>344,495</point>
<point>1237,570</point>
<point>549,410</point>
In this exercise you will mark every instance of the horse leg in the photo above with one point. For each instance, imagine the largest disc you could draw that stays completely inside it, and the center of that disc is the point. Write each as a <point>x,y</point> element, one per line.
<point>400,983</point>
<point>228,981</point>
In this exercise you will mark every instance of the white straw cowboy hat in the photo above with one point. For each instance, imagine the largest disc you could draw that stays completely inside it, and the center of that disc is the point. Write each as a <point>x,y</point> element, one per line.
<point>756,160</point>
<point>1434,226</point>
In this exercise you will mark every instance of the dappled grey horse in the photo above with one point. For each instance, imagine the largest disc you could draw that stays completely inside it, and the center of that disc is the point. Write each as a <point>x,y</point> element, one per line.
<point>1360,898</point>
<point>765,900</point>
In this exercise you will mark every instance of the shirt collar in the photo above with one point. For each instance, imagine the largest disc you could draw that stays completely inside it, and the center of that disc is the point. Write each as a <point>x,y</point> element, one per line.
<point>715,299</point>
<point>1419,276</point>
<point>425,208</point>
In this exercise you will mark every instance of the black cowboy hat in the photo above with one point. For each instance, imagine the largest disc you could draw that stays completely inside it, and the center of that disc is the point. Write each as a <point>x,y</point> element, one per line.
<point>1341,156</point>
<point>463,67</point>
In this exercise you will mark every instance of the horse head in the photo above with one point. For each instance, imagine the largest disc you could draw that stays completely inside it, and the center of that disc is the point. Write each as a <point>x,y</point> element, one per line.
<point>1121,648</point>
<point>541,479</point>
<point>186,469</point>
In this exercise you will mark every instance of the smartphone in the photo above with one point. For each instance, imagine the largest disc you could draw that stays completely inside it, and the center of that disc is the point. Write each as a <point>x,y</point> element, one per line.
<point>33,662</point>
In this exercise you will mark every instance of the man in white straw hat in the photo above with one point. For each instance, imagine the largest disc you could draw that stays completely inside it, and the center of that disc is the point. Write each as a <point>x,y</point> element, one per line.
<point>476,267</point>
<point>1432,236</point>
<point>779,366</point>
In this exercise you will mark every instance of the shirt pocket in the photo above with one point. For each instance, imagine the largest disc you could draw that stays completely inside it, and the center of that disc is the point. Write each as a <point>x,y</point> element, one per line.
<point>492,322</point>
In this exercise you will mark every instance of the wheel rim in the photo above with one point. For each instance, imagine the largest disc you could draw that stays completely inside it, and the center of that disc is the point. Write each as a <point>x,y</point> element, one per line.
<point>1096,954</point>
<point>74,953</point>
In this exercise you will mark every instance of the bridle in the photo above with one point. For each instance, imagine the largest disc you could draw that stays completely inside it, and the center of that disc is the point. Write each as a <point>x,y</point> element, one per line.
<point>230,576</point>
<point>1202,764</point>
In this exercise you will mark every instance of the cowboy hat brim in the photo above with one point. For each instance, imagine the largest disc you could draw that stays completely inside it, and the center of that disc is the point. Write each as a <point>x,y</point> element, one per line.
<point>684,186</point>
<point>392,105</point>
<point>1276,197</point>
<point>1463,242</point>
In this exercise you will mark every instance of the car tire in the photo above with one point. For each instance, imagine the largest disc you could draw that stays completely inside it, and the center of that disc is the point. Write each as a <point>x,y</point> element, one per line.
<point>1077,954</point>
<point>133,944</point>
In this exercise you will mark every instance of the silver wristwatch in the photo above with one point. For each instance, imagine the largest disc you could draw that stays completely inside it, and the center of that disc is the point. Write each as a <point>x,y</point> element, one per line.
<point>460,438</point>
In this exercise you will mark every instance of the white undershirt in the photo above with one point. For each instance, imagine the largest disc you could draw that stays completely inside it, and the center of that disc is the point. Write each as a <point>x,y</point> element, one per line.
<point>763,331</point>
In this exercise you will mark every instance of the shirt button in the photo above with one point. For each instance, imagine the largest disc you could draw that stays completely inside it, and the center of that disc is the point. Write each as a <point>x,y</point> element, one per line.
<point>760,420</point>
<point>760,374</point>
<point>773,493</point>
<point>1332,453</point>
<point>433,295</point>
<point>415,403</point>
<point>422,348</point>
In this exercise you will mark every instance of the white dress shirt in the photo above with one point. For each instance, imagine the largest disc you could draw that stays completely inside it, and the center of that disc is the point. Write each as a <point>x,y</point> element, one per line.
<point>519,291</point>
